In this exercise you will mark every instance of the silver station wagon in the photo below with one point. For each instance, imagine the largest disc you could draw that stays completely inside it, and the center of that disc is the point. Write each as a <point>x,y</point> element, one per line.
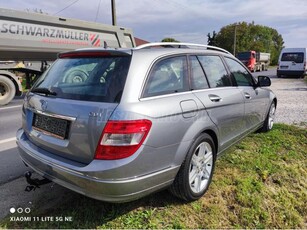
<point>118,124</point>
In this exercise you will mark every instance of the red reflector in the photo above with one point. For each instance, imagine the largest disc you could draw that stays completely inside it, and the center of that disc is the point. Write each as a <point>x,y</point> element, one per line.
<point>84,54</point>
<point>121,139</point>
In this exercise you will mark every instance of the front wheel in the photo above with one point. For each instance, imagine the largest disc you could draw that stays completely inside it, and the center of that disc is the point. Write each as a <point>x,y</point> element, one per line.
<point>195,174</point>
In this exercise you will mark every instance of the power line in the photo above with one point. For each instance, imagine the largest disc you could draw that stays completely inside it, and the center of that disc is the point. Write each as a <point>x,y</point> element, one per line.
<point>97,11</point>
<point>66,7</point>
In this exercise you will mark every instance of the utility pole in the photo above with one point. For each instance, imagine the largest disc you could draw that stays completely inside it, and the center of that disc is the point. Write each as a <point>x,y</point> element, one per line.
<point>113,13</point>
<point>235,40</point>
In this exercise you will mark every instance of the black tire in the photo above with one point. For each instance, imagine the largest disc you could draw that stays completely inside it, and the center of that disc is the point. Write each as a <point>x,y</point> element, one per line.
<point>203,154</point>
<point>269,120</point>
<point>7,90</point>
<point>76,76</point>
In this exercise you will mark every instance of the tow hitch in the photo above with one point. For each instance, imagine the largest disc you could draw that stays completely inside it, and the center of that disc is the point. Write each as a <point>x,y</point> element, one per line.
<point>34,182</point>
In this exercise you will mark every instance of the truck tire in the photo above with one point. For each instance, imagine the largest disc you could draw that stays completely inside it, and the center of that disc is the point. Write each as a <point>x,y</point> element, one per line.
<point>7,90</point>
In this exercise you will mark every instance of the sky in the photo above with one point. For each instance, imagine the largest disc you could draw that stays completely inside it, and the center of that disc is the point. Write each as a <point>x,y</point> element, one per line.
<point>184,20</point>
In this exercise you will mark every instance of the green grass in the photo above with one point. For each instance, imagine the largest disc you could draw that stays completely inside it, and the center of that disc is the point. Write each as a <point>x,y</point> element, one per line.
<point>259,183</point>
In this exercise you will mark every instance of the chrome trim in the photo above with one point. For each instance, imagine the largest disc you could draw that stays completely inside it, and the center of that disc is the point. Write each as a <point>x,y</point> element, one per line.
<point>165,95</point>
<point>183,93</point>
<point>64,117</point>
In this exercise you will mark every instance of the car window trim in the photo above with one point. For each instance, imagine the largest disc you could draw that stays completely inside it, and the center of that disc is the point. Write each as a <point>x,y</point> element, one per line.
<point>225,66</point>
<point>232,76</point>
<point>164,95</point>
<point>190,71</point>
<point>152,66</point>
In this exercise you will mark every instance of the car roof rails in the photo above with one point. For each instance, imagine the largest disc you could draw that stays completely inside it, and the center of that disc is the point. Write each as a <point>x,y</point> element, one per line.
<point>180,45</point>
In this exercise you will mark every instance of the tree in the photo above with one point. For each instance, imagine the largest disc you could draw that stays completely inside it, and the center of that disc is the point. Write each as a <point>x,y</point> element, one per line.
<point>250,37</point>
<point>212,39</point>
<point>169,40</point>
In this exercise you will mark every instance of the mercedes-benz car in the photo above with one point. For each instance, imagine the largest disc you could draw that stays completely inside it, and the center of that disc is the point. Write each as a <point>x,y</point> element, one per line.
<point>118,124</point>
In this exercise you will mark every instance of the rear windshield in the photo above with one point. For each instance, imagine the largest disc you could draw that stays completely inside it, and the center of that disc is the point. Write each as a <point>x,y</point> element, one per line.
<point>295,57</point>
<point>90,79</point>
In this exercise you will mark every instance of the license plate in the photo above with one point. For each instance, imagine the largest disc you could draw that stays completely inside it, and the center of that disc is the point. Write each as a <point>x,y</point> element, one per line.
<point>51,126</point>
<point>284,67</point>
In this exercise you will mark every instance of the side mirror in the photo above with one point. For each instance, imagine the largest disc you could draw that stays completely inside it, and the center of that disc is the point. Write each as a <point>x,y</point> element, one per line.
<point>263,81</point>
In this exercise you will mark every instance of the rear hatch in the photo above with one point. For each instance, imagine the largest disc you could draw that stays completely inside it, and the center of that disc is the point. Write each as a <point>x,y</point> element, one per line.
<point>292,61</point>
<point>67,108</point>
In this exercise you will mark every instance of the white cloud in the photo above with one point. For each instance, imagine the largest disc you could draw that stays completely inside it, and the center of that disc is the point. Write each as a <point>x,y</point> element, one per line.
<point>184,20</point>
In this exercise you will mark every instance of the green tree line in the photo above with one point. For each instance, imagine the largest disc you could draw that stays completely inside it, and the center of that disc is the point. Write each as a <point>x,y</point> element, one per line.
<point>248,36</point>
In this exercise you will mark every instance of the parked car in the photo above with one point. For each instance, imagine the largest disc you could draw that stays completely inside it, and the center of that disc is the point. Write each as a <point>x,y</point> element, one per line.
<point>118,124</point>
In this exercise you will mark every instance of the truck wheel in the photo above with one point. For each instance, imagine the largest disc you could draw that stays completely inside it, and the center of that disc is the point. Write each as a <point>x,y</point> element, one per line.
<point>195,174</point>
<point>7,90</point>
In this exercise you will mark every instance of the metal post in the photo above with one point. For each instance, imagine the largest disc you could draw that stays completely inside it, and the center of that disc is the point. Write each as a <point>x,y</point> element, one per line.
<point>113,13</point>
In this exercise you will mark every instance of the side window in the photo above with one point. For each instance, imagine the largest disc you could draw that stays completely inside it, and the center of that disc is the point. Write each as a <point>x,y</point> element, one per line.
<point>167,76</point>
<point>215,71</point>
<point>198,78</point>
<point>241,75</point>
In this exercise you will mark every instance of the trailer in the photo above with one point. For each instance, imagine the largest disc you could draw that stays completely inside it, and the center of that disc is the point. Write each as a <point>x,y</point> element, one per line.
<point>255,61</point>
<point>36,37</point>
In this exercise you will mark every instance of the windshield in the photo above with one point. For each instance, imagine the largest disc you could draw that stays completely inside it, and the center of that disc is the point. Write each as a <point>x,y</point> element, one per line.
<point>244,55</point>
<point>295,57</point>
<point>91,79</point>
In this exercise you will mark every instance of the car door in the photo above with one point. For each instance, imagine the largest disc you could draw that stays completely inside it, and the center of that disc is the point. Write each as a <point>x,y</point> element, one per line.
<point>224,103</point>
<point>256,99</point>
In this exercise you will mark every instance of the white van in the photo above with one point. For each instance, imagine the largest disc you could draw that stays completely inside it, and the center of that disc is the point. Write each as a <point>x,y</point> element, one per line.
<point>292,62</point>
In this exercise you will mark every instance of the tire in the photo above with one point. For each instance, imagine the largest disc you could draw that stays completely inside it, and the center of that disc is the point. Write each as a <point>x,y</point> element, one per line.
<point>76,76</point>
<point>195,174</point>
<point>7,90</point>
<point>269,120</point>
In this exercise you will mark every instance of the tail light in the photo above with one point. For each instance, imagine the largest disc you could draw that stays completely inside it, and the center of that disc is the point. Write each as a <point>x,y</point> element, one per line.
<point>121,139</point>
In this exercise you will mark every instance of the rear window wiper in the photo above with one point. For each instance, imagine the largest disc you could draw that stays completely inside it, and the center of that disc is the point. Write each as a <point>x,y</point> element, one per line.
<point>45,91</point>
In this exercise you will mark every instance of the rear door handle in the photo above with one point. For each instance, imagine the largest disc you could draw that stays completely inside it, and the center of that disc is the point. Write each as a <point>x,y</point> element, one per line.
<point>214,98</point>
<point>247,95</point>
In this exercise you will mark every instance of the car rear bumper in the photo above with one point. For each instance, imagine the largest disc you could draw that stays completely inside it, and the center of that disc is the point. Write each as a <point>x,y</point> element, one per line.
<point>291,73</point>
<point>77,178</point>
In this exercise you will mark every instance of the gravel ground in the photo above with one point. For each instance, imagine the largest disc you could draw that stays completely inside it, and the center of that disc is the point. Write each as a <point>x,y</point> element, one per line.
<point>291,100</point>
